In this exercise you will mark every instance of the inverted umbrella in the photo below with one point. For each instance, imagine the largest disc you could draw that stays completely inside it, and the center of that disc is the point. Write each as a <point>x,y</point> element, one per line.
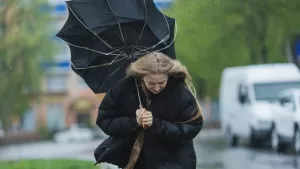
<point>105,36</point>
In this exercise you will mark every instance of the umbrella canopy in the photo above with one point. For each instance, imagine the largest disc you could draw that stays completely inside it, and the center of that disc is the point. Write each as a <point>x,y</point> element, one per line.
<point>105,36</point>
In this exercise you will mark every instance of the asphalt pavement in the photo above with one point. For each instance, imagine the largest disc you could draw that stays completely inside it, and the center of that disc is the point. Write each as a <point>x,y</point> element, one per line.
<point>212,153</point>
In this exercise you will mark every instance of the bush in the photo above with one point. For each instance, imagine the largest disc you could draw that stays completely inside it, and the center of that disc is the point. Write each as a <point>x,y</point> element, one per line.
<point>48,164</point>
<point>44,133</point>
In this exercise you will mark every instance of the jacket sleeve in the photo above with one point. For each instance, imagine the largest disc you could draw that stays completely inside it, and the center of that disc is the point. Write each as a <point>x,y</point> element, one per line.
<point>177,131</point>
<point>111,120</point>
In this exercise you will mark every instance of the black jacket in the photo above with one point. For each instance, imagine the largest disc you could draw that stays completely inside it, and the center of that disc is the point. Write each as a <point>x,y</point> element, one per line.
<point>167,144</point>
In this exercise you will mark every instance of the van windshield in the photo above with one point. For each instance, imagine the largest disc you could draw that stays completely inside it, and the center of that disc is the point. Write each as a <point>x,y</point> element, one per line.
<point>269,91</point>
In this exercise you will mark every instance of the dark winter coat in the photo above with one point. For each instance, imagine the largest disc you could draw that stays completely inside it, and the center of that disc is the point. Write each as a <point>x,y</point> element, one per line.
<point>167,144</point>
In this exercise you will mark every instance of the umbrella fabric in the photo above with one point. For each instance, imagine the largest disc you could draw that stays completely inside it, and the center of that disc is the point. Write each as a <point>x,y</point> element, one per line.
<point>105,36</point>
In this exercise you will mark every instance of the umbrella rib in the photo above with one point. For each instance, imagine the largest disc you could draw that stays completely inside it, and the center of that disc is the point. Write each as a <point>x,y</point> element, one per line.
<point>166,38</point>
<point>175,34</point>
<point>119,25</point>
<point>146,18</point>
<point>166,23</point>
<point>92,50</point>
<point>139,47</point>
<point>104,65</point>
<point>137,52</point>
<point>112,54</point>
<point>117,57</point>
<point>112,73</point>
<point>161,41</point>
<point>101,65</point>
<point>89,28</point>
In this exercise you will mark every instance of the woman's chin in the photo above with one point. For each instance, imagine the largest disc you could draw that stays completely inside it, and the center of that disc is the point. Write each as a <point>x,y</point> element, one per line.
<point>154,92</point>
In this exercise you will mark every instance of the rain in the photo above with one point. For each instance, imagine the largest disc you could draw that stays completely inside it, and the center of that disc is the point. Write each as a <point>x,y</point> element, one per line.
<point>59,58</point>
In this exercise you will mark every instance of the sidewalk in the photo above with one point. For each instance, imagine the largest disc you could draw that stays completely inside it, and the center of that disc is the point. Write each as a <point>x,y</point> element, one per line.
<point>204,134</point>
<point>44,150</point>
<point>82,151</point>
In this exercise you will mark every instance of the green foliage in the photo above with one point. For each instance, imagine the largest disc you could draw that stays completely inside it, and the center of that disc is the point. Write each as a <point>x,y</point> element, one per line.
<point>47,164</point>
<point>44,132</point>
<point>25,42</point>
<point>214,34</point>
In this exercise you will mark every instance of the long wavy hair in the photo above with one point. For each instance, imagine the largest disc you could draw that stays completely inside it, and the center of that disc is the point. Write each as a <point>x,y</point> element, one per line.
<point>159,63</point>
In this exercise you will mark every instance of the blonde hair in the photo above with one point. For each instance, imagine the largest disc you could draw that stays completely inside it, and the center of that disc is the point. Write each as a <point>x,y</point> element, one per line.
<point>159,63</point>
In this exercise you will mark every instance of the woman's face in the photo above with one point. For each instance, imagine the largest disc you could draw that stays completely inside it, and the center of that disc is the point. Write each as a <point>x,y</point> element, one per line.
<point>156,82</point>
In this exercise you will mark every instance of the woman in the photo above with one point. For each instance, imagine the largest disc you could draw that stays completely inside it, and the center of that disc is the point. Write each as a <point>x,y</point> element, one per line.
<point>151,116</point>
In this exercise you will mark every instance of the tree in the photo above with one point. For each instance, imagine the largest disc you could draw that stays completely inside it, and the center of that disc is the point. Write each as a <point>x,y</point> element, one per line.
<point>25,44</point>
<point>214,34</point>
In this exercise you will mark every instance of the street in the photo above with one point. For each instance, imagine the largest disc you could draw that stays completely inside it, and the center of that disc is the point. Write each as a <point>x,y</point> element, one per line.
<point>47,149</point>
<point>211,151</point>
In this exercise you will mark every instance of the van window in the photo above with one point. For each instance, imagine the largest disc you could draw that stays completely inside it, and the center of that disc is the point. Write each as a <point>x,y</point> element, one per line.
<point>284,100</point>
<point>243,89</point>
<point>243,93</point>
<point>269,91</point>
<point>288,100</point>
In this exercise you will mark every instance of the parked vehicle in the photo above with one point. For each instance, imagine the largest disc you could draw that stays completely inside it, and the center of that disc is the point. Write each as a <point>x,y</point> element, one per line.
<point>246,96</point>
<point>286,126</point>
<point>74,134</point>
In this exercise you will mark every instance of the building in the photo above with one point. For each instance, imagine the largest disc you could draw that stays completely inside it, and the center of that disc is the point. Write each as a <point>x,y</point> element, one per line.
<point>65,98</point>
<point>296,50</point>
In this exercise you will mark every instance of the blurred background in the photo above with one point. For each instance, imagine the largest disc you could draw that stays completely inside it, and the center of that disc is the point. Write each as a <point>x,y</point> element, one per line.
<point>244,57</point>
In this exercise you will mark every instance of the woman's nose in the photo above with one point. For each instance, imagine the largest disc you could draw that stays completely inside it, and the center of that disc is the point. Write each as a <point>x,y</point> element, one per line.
<point>156,87</point>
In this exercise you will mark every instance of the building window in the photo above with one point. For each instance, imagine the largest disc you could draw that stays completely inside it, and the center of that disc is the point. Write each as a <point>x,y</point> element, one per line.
<point>64,52</point>
<point>55,117</point>
<point>57,83</point>
<point>28,120</point>
<point>297,50</point>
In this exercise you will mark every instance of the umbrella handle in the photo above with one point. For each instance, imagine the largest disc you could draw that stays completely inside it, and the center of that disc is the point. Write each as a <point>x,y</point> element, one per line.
<point>137,88</point>
<point>140,106</point>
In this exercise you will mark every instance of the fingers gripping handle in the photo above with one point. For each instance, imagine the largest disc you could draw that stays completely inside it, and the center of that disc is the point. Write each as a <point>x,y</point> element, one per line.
<point>140,106</point>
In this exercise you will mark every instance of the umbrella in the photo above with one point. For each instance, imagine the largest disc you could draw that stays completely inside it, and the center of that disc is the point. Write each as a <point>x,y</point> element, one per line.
<point>105,36</point>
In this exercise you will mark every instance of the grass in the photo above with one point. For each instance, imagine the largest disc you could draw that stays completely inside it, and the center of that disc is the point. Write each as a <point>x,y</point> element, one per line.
<point>48,164</point>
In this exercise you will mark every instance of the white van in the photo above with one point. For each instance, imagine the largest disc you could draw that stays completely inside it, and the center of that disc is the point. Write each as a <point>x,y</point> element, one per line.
<point>286,113</point>
<point>245,98</point>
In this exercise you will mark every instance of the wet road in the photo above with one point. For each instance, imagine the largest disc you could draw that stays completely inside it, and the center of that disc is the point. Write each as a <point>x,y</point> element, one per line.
<point>211,151</point>
<point>47,149</point>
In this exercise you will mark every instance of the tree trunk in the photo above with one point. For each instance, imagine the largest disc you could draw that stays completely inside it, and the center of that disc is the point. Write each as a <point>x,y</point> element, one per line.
<point>263,37</point>
<point>264,53</point>
<point>252,53</point>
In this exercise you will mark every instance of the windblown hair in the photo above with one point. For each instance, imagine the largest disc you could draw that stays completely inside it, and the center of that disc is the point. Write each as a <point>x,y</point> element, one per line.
<point>159,63</point>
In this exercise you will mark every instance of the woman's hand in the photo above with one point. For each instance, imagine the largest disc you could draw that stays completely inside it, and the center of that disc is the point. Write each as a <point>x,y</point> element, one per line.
<point>147,119</point>
<point>139,113</point>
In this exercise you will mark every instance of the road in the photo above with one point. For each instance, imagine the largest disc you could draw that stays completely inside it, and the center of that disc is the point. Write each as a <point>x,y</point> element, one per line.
<point>211,151</point>
<point>47,149</point>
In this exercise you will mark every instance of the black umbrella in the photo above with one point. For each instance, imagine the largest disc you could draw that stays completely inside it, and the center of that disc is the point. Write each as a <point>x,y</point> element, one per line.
<point>105,36</point>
